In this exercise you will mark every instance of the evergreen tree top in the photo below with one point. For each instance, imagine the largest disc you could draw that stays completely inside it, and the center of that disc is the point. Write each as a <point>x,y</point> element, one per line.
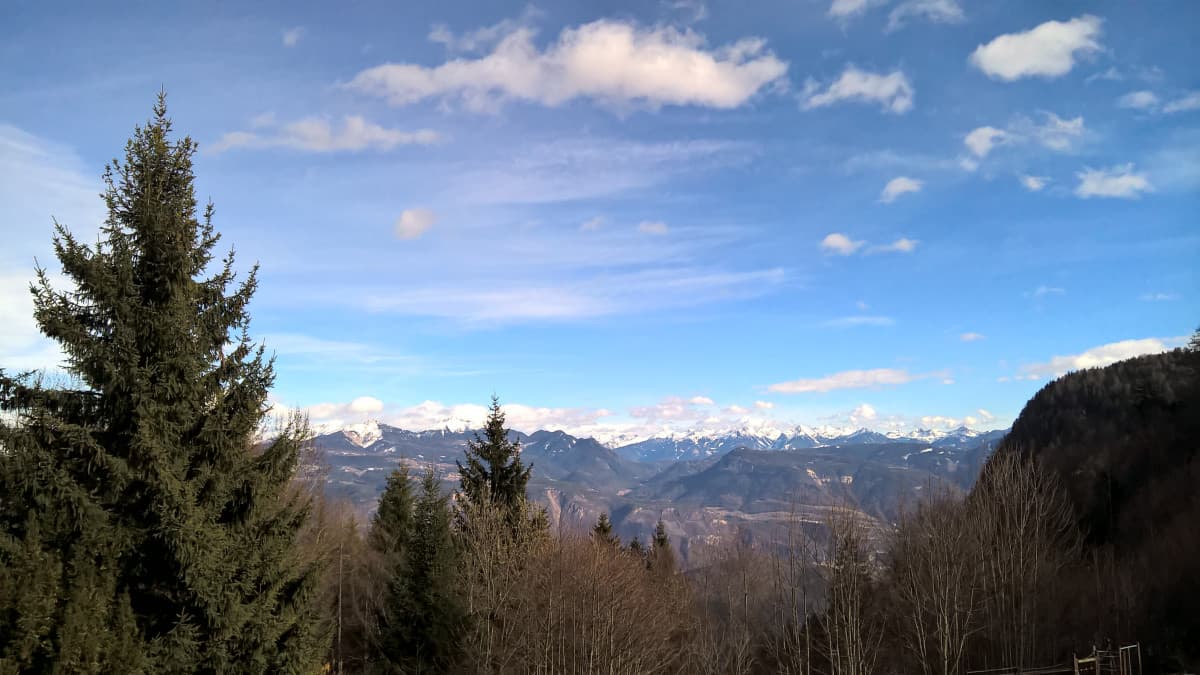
<point>141,476</point>
<point>494,470</point>
<point>602,532</point>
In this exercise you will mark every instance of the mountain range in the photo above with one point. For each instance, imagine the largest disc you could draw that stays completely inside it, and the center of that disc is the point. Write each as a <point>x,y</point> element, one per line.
<point>706,487</point>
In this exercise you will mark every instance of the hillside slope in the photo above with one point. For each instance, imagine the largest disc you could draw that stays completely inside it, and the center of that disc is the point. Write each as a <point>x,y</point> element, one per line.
<point>1125,442</point>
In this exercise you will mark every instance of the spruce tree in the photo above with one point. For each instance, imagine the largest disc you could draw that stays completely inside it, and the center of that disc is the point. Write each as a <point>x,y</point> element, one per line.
<point>662,557</point>
<point>636,548</point>
<point>141,528</point>
<point>494,471</point>
<point>425,615</point>
<point>602,532</point>
<point>391,526</point>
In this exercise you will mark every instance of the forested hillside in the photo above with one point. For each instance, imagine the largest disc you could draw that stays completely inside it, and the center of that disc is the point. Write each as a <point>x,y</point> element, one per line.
<point>1124,441</point>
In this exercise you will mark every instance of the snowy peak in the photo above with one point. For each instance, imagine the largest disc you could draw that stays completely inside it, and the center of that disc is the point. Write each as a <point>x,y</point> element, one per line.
<point>363,434</point>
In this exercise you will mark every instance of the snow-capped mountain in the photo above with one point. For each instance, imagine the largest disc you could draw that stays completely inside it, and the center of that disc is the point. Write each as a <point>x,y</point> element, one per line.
<point>373,436</point>
<point>702,445</point>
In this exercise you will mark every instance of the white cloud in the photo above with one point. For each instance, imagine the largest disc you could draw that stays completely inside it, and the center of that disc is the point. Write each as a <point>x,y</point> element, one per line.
<point>840,244</point>
<point>737,410</point>
<point>1184,104</point>
<point>483,38</point>
<point>862,306</point>
<point>971,337</point>
<point>592,224</point>
<point>314,134</point>
<point>845,9</point>
<point>837,243</point>
<point>863,414</point>
<point>653,227</point>
<point>366,405</point>
<point>612,61</point>
<point>1097,357</point>
<point>1112,75</point>
<point>1159,297</point>
<point>291,36</point>
<point>764,405</point>
<point>936,11</point>
<point>693,11</point>
<point>1052,132</point>
<point>413,223</point>
<point>901,245</point>
<point>981,140</point>
<point>1139,100</point>
<point>942,422</point>
<point>985,415</point>
<point>1117,181</point>
<point>892,91</point>
<point>437,415</point>
<point>673,408</point>
<point>1033,183</point>
<point>1043,291</point>
<point>1050,50</point>
<point>39,181</point>
<point>851,321</point>
<point>849,379</point>
<point>898,186</point>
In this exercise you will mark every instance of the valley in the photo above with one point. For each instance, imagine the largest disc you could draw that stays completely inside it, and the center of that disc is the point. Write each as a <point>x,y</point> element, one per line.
<point>708,489</point>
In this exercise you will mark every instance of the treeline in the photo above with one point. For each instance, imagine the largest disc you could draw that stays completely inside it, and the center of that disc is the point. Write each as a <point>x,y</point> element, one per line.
<point>480,585</point>
<point>148,525</point>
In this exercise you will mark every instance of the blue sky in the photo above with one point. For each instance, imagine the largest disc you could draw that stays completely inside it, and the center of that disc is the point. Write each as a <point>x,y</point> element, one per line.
<point>637,216</point>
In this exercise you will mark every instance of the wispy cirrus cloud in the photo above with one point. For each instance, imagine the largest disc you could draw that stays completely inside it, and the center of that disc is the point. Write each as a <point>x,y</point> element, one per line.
<point>313,134</point>
<point>850,379</point>
<point>858,320</point>
<point>606,295</point>
<point>586,168</point>
<point>933,11</point>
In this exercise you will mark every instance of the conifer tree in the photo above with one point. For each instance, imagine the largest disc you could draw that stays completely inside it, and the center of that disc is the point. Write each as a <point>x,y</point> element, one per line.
<point>662,558</point>
<point>141,529</point>
<point>425,612</point>
<point>636,548</point>
<point>391,526</point>
<point>602,532</point>
<point>494,471</point>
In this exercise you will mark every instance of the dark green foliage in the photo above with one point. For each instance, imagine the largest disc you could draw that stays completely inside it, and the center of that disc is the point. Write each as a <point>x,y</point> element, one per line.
<point>635,547</point>
<point>494,472</point>
<point>1124,441</point>
<point>662,557</point>
<point>138,529</point>
<point>423,613</point>
<point>391,526</point>
<point>602,532</point>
